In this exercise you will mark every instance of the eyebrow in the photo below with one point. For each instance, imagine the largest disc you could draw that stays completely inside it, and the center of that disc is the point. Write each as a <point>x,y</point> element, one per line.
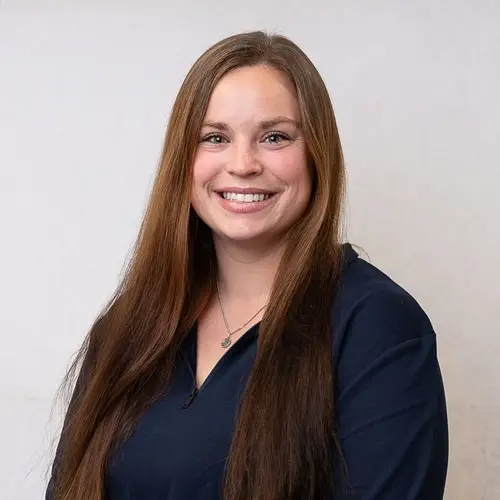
<point>264,124</point>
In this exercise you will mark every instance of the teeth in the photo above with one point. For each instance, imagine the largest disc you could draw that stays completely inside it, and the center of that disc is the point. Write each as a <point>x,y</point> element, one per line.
<point>245,198</point>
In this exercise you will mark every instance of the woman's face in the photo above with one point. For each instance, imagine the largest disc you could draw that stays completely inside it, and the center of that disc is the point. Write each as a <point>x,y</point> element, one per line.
<point>251,180</point>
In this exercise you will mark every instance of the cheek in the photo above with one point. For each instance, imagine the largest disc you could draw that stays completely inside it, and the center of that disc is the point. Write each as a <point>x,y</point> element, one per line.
<point>291,167</point>
<point>204,170</point>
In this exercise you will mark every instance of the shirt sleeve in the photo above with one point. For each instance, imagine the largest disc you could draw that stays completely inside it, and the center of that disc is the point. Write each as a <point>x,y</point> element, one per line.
<point>391,409</point>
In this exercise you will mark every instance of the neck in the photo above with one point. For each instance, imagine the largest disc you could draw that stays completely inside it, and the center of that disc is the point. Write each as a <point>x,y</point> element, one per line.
<point>246,274</point>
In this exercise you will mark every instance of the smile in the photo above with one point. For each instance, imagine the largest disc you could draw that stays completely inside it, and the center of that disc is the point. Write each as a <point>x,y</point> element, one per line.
<point>245,197</point>
<point>246,202</point>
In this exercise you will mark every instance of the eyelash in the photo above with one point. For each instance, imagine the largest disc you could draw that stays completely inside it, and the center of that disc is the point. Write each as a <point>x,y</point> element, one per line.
<point>270,134</point>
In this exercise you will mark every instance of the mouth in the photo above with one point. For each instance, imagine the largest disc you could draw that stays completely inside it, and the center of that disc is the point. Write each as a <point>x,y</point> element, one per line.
<point>254,197</point>
<point>245,201</point>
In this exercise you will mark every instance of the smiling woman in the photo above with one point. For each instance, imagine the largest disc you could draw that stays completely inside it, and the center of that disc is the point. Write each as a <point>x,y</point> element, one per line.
<point>249,354</point>
<point>252,160</point>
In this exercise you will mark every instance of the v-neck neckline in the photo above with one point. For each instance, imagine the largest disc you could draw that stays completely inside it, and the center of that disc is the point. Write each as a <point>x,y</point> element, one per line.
<point>191,352</point>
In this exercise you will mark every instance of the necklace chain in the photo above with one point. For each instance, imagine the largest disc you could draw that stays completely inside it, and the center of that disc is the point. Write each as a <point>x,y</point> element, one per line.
<point>226,341</point>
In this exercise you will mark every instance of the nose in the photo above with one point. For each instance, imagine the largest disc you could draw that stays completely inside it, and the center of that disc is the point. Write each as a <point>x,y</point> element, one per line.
<point>244,162</point>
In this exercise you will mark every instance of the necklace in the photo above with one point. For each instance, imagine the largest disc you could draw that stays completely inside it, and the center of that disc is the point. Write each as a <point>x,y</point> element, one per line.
<point>226,341</point>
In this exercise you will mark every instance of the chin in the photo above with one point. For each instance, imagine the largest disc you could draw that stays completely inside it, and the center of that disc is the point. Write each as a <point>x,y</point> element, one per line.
<point>246,237</point>
<point>252,240</point>
<point>243,236</point>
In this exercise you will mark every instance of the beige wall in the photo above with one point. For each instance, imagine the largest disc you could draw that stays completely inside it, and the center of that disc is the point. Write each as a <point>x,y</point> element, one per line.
<point>85,92</point>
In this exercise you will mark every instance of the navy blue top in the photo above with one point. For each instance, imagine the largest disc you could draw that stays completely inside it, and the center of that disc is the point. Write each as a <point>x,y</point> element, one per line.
<point>391,407</point>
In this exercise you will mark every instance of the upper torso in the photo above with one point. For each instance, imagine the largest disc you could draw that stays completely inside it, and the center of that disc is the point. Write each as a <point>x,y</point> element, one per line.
<point>390,405</point>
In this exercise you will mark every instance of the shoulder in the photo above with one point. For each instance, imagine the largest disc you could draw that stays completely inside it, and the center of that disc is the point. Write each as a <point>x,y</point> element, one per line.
<point>372,310</point>
<point>390,404</point>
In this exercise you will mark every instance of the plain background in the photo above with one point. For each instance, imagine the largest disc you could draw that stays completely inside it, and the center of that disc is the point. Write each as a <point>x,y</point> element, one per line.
<point>85,92</point>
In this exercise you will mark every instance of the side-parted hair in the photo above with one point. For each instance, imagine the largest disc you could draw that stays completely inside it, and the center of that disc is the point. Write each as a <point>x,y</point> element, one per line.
<point>284,440</point>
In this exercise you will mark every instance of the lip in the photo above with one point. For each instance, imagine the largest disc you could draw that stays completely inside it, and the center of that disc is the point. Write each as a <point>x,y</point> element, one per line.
<point>240,190</point>
<point>245,208</point>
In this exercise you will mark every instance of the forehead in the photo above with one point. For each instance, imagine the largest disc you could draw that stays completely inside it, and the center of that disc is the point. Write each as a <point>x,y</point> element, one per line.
<point>256,92</point>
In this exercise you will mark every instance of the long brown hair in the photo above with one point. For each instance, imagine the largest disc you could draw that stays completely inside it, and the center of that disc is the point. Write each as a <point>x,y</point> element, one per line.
<point>284,438</point>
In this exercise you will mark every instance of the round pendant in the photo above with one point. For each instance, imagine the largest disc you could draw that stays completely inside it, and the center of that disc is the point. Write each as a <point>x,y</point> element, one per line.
<point>226,342</point>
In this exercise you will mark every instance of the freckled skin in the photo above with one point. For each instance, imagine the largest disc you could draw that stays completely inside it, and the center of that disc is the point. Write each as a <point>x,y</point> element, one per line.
<point>237,150</point>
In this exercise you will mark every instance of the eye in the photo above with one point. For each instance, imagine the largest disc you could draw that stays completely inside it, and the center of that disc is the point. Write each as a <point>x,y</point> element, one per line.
<point>214,139</point>
<point>275,138</point>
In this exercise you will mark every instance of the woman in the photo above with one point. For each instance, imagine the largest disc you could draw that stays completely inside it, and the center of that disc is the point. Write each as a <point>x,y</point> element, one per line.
<point>248,354</point>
